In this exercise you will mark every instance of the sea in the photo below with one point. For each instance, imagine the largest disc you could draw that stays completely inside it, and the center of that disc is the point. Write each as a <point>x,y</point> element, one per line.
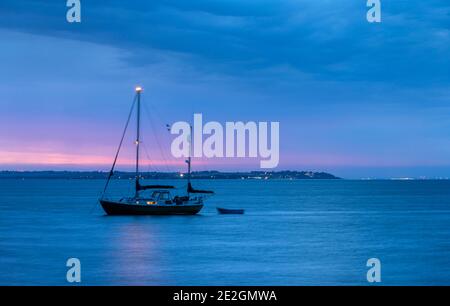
<point>293,232</point>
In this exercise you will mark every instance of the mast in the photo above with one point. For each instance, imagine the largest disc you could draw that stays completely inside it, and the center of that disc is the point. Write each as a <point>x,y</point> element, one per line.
<point>190,189</point>
<point>138,131</point>
<point>189,160</point>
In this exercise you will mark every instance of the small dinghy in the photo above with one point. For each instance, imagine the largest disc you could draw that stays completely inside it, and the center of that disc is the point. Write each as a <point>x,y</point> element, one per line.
<point>225,211</point>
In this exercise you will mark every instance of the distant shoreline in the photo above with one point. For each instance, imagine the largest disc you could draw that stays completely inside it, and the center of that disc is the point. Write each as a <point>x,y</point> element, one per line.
<point>257,175</point>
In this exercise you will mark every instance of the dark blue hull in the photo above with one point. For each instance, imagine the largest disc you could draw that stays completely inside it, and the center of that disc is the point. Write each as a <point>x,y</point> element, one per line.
<point>117,208</point>
<point>225,211</point>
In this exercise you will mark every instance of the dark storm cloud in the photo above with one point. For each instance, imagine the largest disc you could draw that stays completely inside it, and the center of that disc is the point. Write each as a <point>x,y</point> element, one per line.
<point>329,40</point>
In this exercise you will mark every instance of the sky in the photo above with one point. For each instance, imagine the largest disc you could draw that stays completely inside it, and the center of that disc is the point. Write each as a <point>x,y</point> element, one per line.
<point>353,98</point>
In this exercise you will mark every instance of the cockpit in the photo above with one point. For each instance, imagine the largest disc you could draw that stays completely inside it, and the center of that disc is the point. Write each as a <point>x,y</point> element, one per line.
<point>161,195</point>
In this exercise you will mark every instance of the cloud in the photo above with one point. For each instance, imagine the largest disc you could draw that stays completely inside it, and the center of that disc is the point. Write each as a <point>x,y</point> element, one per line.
<point>328,40</point>
<point>363,93</point>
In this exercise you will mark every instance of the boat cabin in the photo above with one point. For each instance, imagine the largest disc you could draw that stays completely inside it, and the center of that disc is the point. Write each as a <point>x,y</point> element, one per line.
<point>165,197</point>
<point>161,195</point>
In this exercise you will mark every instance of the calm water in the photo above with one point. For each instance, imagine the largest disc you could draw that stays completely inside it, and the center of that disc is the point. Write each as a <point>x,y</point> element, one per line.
<point>293,233</point>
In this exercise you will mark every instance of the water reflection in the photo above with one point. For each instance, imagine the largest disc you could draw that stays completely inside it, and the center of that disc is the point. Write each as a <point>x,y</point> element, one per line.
<point>134,253</point>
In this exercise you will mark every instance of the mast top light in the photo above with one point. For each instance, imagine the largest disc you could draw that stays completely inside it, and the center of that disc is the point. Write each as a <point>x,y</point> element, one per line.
<point>138,88</point>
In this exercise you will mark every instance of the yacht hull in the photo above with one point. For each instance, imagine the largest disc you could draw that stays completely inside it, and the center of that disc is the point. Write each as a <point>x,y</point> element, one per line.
<point>117,208</point>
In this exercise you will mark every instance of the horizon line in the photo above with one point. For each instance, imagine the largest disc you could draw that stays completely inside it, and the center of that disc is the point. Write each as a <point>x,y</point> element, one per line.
<point>362,178</point>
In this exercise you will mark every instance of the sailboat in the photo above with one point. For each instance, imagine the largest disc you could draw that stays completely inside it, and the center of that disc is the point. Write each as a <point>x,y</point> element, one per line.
<point>160,201</point>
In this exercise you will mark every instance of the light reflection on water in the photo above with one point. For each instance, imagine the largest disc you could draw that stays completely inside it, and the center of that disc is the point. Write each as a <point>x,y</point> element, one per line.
<point>293,232</point>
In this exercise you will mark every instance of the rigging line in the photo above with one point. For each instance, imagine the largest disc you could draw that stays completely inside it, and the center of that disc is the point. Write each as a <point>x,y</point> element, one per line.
<point>154,109</point>
<point>156,138</point>
<point>150,168</point>
<point>149,165</point>
<point>120,145</point>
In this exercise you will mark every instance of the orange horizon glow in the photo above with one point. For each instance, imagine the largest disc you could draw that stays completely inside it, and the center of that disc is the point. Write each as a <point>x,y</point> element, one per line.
<point>48,159</point>
<point>36,159</point>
